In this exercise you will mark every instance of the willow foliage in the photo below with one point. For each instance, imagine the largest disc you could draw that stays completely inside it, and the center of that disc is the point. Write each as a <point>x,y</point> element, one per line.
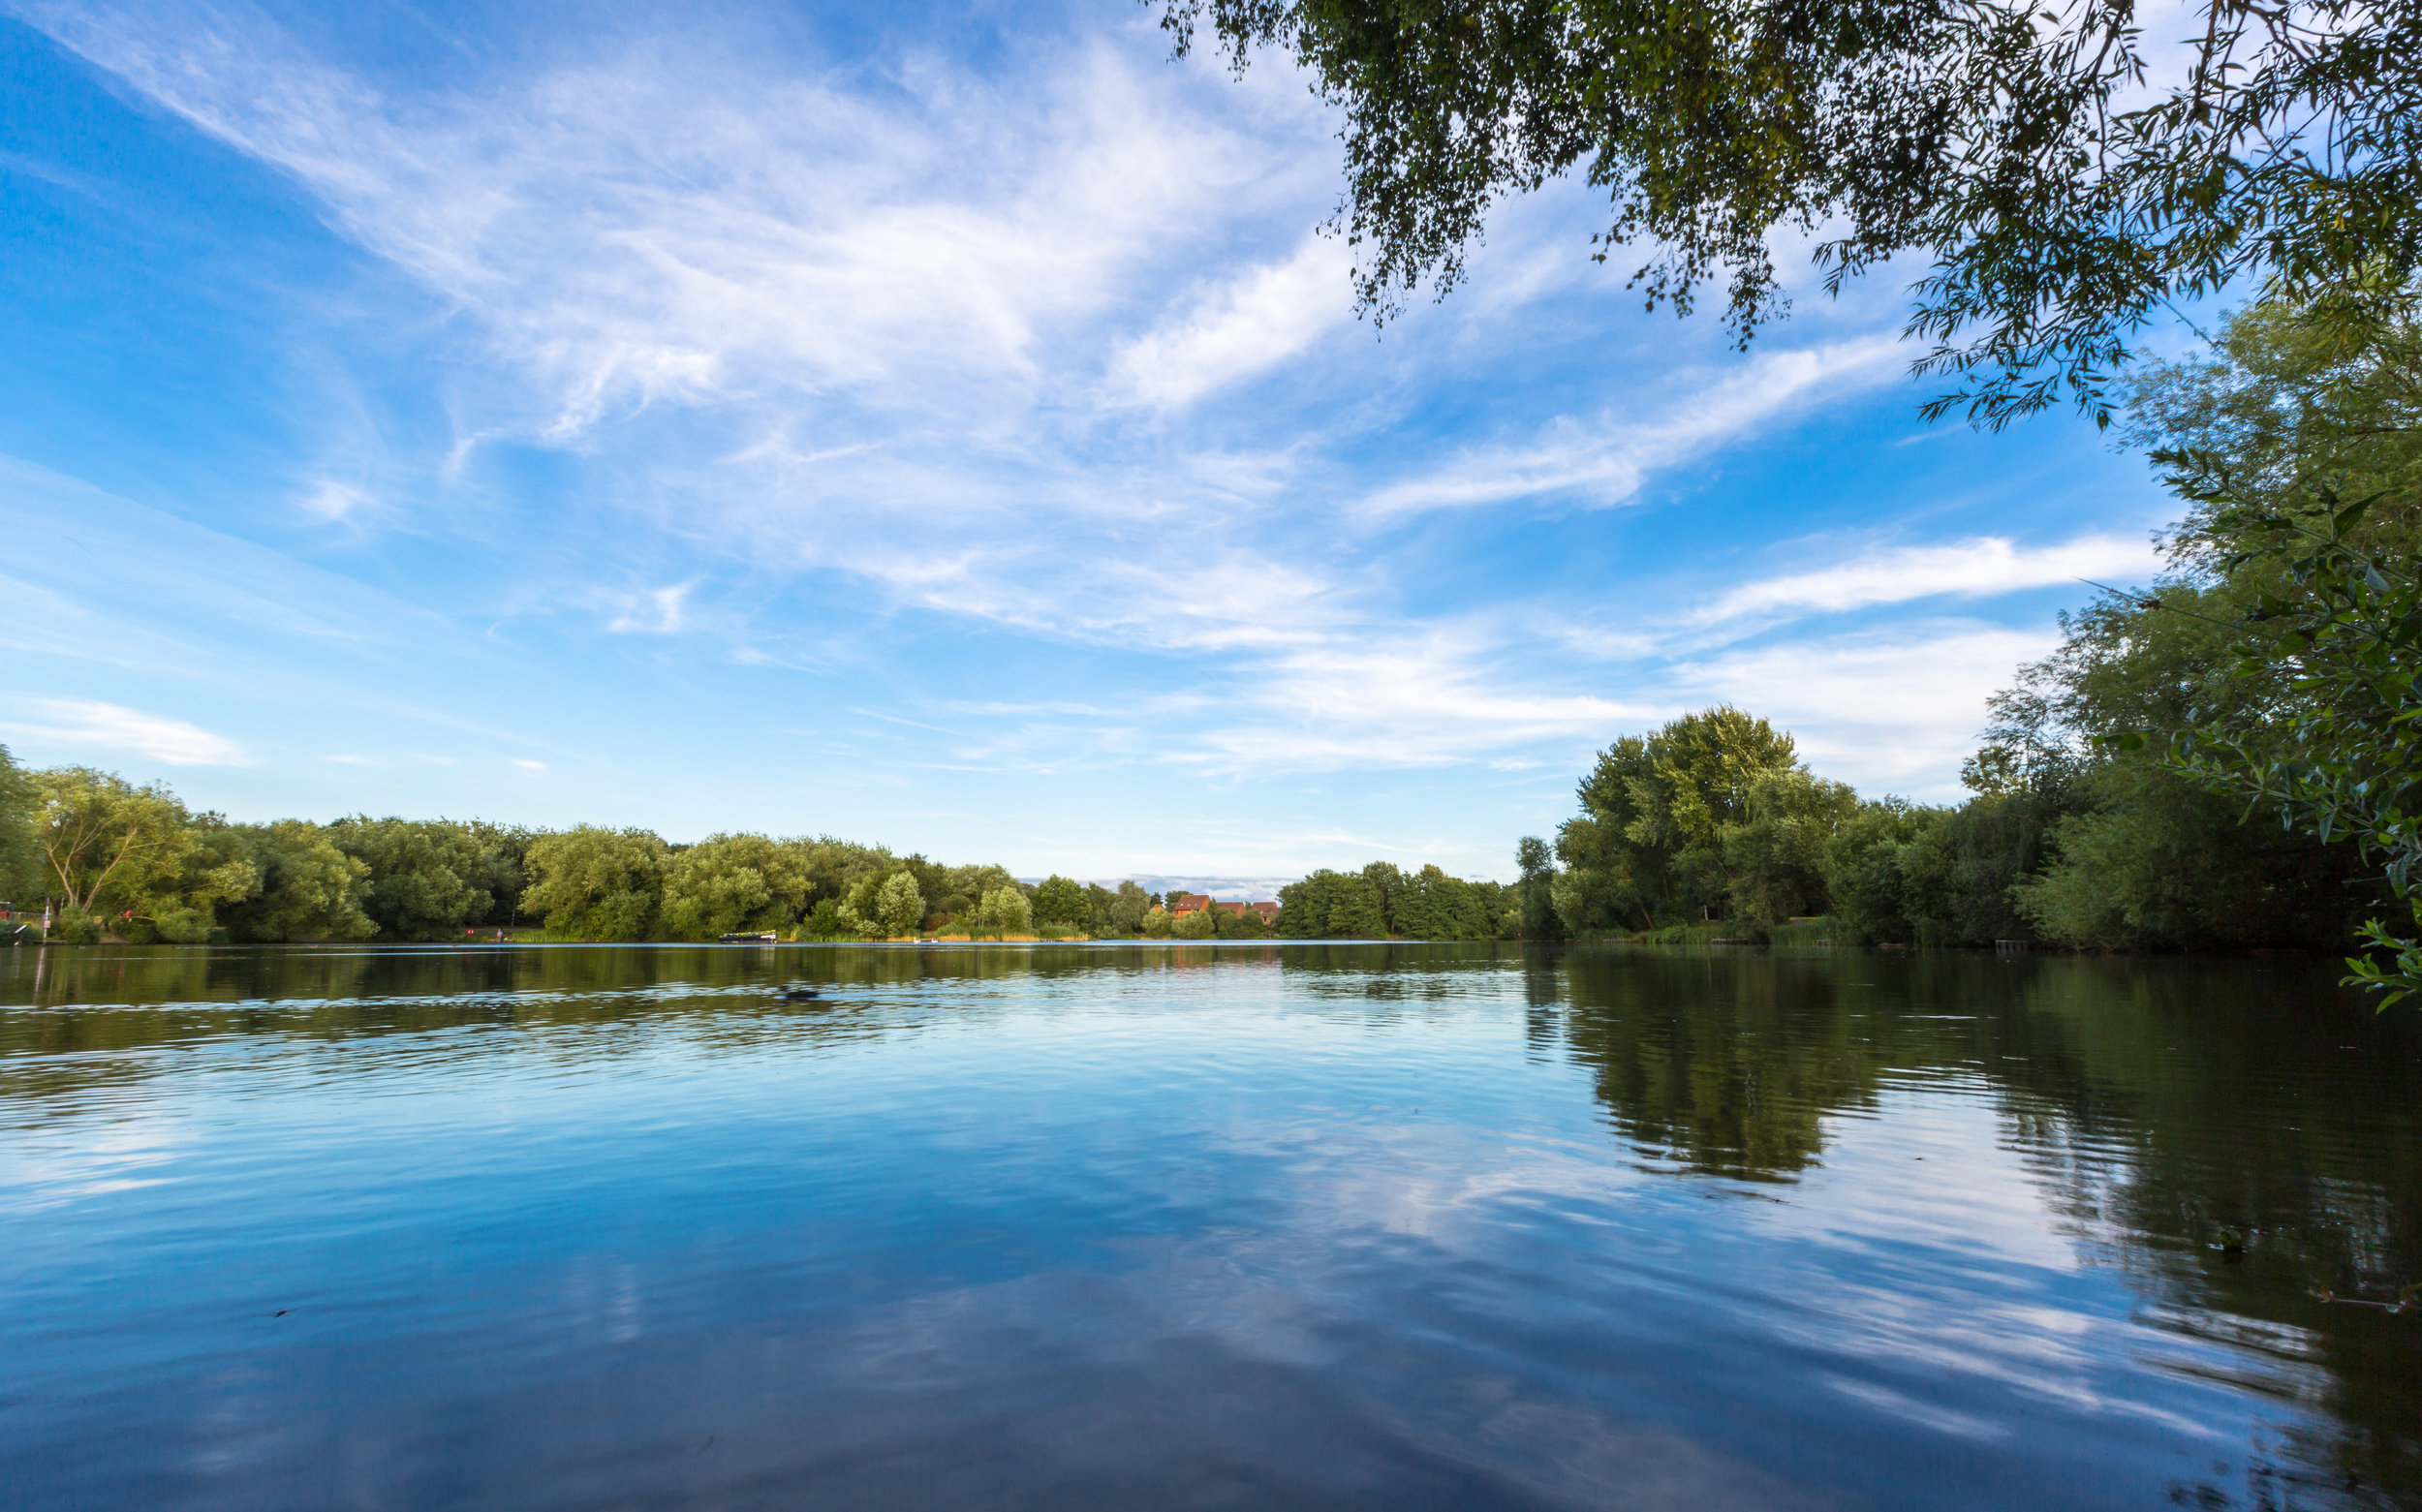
<point>2064,172</point>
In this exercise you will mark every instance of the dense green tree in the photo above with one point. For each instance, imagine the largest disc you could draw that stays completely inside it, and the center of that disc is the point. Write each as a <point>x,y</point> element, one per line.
<point>1332,904</point>
<point>431,878</point>
<point>1908,874</point>
<point>1120,914</point>
<point>1675,826</point>
<point>595,884</point>
<point>1238,924</point>
<point>2298,446</point>
<point>20,873</point>
<point>958,892</point>
<point>1964,862</point>
<point>1704,772</point>
<point>2063,174</point>
<point>1868,861</point>
<point>1771,861</point>
<point>109,850</point>
<point>1200,924</point>
<point>823,921</point>
<point>729,883</point>
<point>1006,909</point>
<point>1613,877</point>
<point>1536,917</point>
<point>2340,755</point>
<point>2139,855</point>
<point>899,907</point>
<point>859,911</point>
<point>1434,905</point>
<point>2293,401</point>
<point>1356,911</point>
<point>304,885</point>
<point>2157,861</point>
<point>1060,901</point>
<point>1387,883</point>
<point>834,867</point>
<point>1303,908</point>
<point>134,861</point>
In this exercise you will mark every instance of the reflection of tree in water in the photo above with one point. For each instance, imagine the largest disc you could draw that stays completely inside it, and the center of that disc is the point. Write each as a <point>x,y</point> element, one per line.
<point>1368,973</point>
<point>2264,1108</point>
<point>64,1012</point>
<point>2170,1109</point>
<point>2165,1107</point>
<point>1725,1067</point>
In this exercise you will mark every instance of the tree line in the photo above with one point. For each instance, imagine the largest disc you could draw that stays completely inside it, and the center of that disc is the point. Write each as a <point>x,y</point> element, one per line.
<point>97,853</point>
<point>1713,820</point>
<point>1382,901</point>
<point>2226,760</point>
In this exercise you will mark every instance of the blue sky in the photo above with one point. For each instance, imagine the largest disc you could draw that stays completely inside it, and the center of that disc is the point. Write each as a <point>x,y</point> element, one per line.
<point>942,427</point>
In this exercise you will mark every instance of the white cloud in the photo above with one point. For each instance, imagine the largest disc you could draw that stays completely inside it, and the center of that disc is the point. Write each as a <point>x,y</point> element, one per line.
<point>677,225</point>
<point>654,611</point>
<point>1261,318</point>
<point>1602,462</point>
<point>1985,565</point>
<point>939,336</point>
<point>333,501</point>
<point>1883,710</point>
<point>1421,697</point>
<point>863,329</point>
<point>87,723</point>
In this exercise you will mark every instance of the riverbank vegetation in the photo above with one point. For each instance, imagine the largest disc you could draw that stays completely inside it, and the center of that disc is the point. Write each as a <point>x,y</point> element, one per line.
<point>1382,901</point>
<point>134,862</point>
<point>2227,760</point>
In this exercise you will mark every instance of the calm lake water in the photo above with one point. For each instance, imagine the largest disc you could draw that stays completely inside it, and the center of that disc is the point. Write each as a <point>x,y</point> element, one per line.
<point>1176,1226</point>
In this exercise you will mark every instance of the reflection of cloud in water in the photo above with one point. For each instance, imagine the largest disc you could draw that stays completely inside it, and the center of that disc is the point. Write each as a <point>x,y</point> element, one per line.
<point>1376,1225</point>
<point>42,1169</point>
<point>1190,1371</point>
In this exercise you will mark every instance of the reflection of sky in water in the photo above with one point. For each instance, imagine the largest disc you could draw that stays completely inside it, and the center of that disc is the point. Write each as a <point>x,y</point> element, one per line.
<point>1319,1235</point>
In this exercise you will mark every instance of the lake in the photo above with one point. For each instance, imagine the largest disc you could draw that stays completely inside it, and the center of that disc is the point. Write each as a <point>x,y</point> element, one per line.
<point>1202,1227</point>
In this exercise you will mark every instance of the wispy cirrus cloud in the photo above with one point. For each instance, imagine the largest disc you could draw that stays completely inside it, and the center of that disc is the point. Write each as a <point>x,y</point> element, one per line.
<point>1984,565</point>
<point>896,295</point>
<point>873,372</point>
<point>674,223</point>
<point>653,611</point>
<point>1434,698</point>
<point>1258,318</point>
<point>80,722</point>
<point>1601,462</point>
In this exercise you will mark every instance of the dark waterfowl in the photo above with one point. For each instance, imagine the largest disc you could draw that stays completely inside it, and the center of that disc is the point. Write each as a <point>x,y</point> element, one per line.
<point>796,993</point>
